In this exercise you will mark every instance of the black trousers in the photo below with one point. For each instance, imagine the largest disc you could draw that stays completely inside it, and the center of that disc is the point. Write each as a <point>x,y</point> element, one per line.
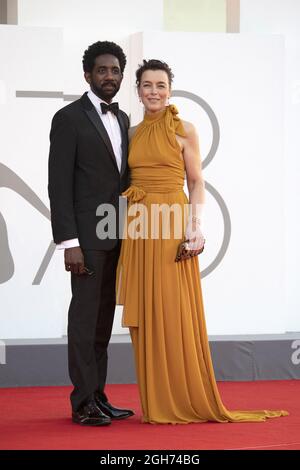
<point>90,322</point>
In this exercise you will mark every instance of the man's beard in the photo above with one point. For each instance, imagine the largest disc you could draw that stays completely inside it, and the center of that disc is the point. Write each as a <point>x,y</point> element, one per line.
<point>105,94</point>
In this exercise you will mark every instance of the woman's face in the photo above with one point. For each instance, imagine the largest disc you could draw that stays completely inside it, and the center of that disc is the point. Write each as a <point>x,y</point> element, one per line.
<point>154,90</point>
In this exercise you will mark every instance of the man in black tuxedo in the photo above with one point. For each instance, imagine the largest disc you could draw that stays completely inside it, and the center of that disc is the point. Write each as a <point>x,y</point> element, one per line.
<point>88,167</point>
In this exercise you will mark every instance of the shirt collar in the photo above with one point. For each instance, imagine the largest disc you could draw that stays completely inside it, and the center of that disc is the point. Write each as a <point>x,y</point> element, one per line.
<point>95,100</point>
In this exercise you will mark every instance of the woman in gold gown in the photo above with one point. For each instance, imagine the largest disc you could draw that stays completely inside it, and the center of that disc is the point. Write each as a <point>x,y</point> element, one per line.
<point>162,299</point>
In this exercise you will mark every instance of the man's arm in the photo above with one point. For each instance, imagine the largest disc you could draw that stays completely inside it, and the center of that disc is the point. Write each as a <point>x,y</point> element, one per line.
<point>60,188</point>
<point>61,175</point>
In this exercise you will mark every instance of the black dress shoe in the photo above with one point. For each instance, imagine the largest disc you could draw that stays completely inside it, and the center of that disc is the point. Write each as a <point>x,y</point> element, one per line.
<point>111,411</point>
<point>90,415</point>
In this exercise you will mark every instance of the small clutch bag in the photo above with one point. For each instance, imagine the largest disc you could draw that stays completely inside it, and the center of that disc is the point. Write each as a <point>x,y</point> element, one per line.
<point>183,252</point>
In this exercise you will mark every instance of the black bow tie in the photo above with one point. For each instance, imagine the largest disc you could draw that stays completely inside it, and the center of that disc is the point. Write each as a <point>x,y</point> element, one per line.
<point>113,107</point>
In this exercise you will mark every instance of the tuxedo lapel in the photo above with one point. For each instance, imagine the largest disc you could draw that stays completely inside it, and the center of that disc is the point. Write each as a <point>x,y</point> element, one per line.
<point>96,121</point>
<point>124,143</point>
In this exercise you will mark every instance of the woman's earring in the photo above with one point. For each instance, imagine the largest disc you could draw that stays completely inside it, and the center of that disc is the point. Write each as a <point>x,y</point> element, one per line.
<point>168,101</point>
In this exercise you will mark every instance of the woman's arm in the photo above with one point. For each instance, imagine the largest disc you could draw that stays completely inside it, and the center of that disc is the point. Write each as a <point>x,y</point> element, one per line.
<point>196,186</point>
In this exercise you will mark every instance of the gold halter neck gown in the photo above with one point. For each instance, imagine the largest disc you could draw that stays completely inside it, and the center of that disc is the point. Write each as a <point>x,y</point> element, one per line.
<point>162,300</point>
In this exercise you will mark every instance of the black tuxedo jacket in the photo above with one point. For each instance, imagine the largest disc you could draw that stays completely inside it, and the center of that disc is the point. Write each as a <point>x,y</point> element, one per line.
<point>83,173</point>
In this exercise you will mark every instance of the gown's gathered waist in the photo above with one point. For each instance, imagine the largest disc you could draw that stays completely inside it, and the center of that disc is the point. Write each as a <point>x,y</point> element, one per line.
<point>138,189</point>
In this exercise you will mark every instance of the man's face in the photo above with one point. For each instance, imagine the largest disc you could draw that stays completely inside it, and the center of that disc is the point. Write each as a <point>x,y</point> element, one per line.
<point>106,77</point>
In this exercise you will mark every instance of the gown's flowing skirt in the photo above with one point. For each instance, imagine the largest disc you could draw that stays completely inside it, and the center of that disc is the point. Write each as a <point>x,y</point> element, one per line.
<point>163,307</point>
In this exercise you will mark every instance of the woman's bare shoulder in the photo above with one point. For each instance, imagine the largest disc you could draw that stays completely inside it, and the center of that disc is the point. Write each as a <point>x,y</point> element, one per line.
<point>189,128</point>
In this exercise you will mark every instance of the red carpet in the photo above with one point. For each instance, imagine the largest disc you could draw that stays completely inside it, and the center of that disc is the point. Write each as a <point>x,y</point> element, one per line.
<point>39,418</point>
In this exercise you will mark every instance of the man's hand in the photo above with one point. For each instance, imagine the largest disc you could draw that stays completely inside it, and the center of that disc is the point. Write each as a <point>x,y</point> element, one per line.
<point>74,260</point>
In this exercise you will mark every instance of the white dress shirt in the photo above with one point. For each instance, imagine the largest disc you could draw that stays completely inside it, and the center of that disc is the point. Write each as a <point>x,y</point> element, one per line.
<point>112,127</point>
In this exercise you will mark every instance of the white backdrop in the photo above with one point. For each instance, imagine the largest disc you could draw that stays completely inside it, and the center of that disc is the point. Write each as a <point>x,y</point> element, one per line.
<point>241,79</point>
<point>276,16</point>
<point>38,59</point>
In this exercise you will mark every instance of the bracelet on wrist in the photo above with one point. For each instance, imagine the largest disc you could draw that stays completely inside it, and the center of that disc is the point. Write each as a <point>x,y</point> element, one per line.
<point>196,219</point>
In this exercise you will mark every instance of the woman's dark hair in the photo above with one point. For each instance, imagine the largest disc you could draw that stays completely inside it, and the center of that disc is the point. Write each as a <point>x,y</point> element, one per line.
<point>100,48</point>
<point>153,64</point>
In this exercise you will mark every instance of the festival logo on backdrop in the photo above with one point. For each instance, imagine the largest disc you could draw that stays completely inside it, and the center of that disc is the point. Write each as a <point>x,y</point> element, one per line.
<point>9,179</point>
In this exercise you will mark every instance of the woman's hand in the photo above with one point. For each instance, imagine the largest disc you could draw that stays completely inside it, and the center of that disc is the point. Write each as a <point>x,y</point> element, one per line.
<point>194,233</point>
